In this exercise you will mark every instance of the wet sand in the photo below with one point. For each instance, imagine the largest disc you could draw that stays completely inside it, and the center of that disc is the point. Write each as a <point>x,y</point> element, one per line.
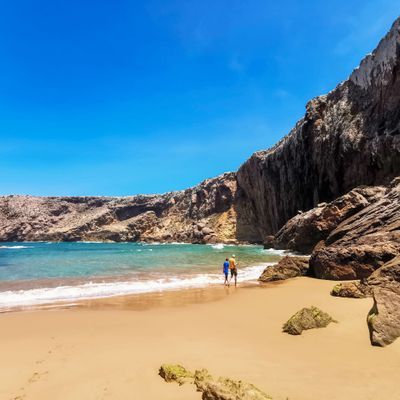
<point>112,348</point>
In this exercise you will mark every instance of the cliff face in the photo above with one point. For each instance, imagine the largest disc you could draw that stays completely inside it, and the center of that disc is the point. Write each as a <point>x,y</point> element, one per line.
<point>347,138</point>
<point>201,214</point>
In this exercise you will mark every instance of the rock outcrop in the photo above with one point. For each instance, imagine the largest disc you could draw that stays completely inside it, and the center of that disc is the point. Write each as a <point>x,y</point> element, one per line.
<point>347,138</point>
<point>362,243</point>
<point>302,232</point>
<point>287,267</point>
<point>384,317</point>
<point>201,214</point>
<point>307,318</point>
<point>211,388</point>
<point>354,290</point>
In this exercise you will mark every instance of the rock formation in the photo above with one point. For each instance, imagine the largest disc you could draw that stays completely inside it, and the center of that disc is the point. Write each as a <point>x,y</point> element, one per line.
<point>347,138</point>
<point>355,290</point>
<point>211,388</point>
<point>307,318</point>
<point>287,267</point>
<point>302,232</point>
<point>363,242</point>
<point>384,317</point>
<point>201,214</point>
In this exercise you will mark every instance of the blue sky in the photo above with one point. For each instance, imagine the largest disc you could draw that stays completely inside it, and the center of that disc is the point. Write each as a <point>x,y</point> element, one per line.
<point>124,97</point>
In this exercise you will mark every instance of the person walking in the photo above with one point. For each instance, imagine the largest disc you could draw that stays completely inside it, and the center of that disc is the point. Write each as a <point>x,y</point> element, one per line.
<point>226,271</point>
<point>233,268</point>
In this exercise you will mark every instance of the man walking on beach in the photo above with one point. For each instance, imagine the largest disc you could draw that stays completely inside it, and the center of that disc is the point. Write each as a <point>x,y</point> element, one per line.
<point>233,268</point>
<point>226,271</point>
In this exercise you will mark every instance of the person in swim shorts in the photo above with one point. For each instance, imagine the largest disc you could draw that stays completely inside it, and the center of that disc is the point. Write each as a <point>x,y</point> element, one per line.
<point>226,271</point>
<point>233,268</point>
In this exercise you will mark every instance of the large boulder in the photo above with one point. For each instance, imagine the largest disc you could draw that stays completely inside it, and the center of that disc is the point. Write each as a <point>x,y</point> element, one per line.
<point>210,387</point>
<point>287,267</point>
<point>302,232</point>
<point>384,317</point>
<point>307,318</point>
<point>362,243</point>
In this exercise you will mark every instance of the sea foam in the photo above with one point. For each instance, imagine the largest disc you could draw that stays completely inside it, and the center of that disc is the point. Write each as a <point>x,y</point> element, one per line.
<point>93,290</point>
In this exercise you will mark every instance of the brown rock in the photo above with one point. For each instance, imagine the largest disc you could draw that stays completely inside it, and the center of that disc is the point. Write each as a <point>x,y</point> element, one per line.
<point>211,388</point>
<point>362,243</point>
<point>355,290</point>
<point>287,267</point>
<point>384,317</point>
<point>305,230</point>
<point>307,318</point>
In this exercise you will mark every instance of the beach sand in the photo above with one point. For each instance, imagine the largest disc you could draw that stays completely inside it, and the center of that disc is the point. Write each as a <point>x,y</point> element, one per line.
<point>112,349</point>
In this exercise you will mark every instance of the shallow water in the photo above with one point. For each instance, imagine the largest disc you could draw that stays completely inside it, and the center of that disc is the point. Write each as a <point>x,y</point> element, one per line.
<point>40,273</point>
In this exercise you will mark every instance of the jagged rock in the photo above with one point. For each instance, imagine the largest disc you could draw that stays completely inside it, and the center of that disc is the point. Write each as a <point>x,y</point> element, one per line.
<point>356,290</point>
<point>212,389</point>
<point>287,267</point>
<point>175,373</point>
<point>226,389</point>
<point>347,138</point>
<point>307,318</point>
<point>302,232</point>
<point>384,317</point>
<point>362,243</point>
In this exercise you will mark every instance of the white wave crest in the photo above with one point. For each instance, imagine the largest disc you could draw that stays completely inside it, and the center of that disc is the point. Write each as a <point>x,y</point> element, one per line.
<point>274,252</point>
<point>15,247</point>
<point>218,246</point>
<point>90,290</point>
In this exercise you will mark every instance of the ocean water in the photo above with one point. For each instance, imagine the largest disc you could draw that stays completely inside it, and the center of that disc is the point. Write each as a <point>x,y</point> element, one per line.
<point>41,273</point>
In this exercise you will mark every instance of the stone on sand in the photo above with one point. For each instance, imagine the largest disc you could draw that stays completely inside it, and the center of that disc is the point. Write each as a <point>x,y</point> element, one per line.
<point>307,318</point>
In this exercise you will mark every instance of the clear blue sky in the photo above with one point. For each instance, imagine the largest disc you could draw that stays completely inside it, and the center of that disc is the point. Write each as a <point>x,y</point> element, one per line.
<point>124,97</point>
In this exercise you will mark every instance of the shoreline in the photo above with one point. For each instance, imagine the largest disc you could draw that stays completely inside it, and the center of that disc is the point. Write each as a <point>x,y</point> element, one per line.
<point>112,349</point>
<point>146,300</point>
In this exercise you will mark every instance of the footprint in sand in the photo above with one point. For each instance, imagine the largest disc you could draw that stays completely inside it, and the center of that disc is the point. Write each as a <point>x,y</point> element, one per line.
<point>37,376</point>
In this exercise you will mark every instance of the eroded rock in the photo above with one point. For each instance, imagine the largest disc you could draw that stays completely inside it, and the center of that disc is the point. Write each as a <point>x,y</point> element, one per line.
<point>384,317</point>
<point>362,243</point>
<point>175,373</point>
<point>307,318</point>
<point>287,267</point>
<point>355,290</point>
<point>302,232</point>
<point>211,388</point>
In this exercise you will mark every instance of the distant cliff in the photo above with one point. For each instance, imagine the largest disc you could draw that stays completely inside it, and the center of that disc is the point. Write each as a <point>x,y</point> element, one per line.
<point>347,138</point>
<point>200,214</point>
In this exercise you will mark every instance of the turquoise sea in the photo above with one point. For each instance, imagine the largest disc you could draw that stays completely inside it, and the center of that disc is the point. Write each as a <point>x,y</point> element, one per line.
<point>40,273</point>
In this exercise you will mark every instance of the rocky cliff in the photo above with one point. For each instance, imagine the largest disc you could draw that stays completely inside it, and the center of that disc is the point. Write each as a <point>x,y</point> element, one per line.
<point>204,213</point>
<point>347,138</point>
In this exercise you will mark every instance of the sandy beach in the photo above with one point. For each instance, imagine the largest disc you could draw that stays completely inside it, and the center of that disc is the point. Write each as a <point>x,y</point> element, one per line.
<point>112,349</point>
